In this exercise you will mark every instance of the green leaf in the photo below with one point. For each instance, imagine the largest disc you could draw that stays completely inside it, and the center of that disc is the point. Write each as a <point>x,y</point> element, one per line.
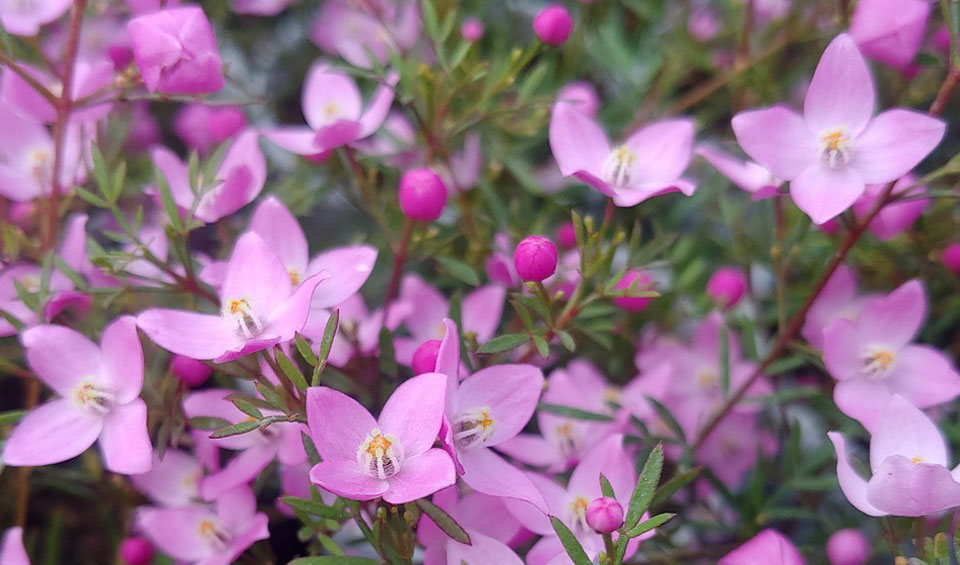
<point>567,340</point>
<point>90,198</point>
<point>313,507</point>
<point>169,205</point>
<point>207,423</point>
<point>429,14</point>
<point>334,560</point>
<point>11,417</point>
<point>459,270</point>
<point>70,273</point>
<point>247,408</point>
<point>270,395</point>
<point>574,413</point>
<point>570,543</point>
<point>504,342</point>
<point>100,174</point>
<point>606,488</point>
<point>290,370</point>
<point>305,351</point>
<point>444,521</point>
<point>329,332</point>
<point>724,360</point>
<point>668,419</point>
<point>243,427</point>
<point>646,485</point>
<point>543,348</point>
<point>388,357</point>
<point>310,448</point>
<point>647,525</point>
<point>675,483</point>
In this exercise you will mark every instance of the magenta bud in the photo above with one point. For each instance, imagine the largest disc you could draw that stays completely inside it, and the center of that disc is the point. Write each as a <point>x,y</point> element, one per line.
<point>567,236</point>
<point>136,551</point>
<point>422,195</point>
<point>190,371</point>
<point>848,547</point>
<point>727,286</point>
<point>553,25</point>
<point>471,29</point>
<point>535,258</point>
<point>634,303</point>
<point>951,257</point>
<point>425,357</point>
<point>604,515</point>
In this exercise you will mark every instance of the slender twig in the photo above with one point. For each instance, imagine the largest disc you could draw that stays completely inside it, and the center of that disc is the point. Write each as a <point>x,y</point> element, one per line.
<point>946,90</point>
<point>399,257</point>
<point>22,73</point>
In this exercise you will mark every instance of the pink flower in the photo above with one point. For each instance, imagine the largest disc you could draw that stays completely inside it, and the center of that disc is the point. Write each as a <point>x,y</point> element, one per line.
<point>239,179</point>
<point>535,258</point>
<point>206,534</point>
<point>136,551</point>
<point>897,216</point>
<point>176,51</point>
<point>553,24</point>
<point>334,111</point>
<point>769,547</point>
<point>260,307</point>
<point>727,286</point>
<point>172,481</point>
<point>98,390</point>
<point>89,77</point>
<point>873,358</point>
<point>390,457</point>
<point>648,163</point>
<point>354,30</point>
<point>604,515</point>
<point>463,170</point>
<point>582,95</point>
<point>838,300</point>
<point>634,280</point>
<point>363,327</point>
<point>951,257</point>
<point>12,551</point>
<point>259,7</point>
<point>471,29</point>
<point>25,18</point>
<point>837,147</point>
<point>908,463</point>
<point>201,127</point>
<point>747,175</point>
<point>570,504</point>
<point>890,31</point>
<point>486,520</point>
<point>848,547</point>
<point>703,23</point>
<point>422,195</point>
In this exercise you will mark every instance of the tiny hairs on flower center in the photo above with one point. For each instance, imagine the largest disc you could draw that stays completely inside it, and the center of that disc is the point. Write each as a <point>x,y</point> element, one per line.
<point>214,534</point>
<point>246,318</point>
<point>877,361</point>
<point>93,399</point>
<point>473,428</point>
<point>380,455</point>
<point>577,514</point>
<point>835,147</point>
<point>618,168</point>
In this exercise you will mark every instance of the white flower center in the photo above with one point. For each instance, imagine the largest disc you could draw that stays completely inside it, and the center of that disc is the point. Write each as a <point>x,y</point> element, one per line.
<point>380,455</point>
<point>835,147</point>
<point>877,361</point>
<point>577,515</point>
<point>39,163</point>
<point>246,317</point>
<point>92,399</point>
<point>473,428</point>
<point>618,168</point>
<point>215,535</point>
<point>567,439</point>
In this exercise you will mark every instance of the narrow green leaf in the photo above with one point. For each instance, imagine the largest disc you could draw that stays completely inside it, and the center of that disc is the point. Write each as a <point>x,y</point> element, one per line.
<point>310,448</point>
<point>305,351</point>
<point>543,348</point>
<point>334,560</point>
<point>504,342</point>
<point>243,427</point>
<point>429,14</point>
<point>668,419</point>
<point>119,176</point>
<point>646,485</point>
<point>444,521</point>
<point>606,488</point>
<point>169,205</point>
<point>11,417</point>
<point>675,483</point>
<point>647,525</point>
<point>247,408</point>
<point>207,423</point>
<point>313,507</point>
<point>567,340</point>
<point>90,198</point>
<point>570,544</point>
<point>459,270</point>
<point>70,273</point>
<point>724,360</point>
<point>290,369</point>
<point>271,396</point>
<point>388,357</point>
<point>100,174</point>
<point>329,332</point>
<point>574,413</point>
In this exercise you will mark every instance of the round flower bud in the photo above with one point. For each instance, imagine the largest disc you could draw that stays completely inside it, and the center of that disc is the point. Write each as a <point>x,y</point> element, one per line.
<point>136,551</point>
<point>848,547</point>
<point>535,258</point>
<point>553,25</point>
<point>190,371</point>
<point>727,286</point>
<point>422,195</point>
<point>567,236</point>
<point>951,257</point>
<point>471,29</point>
<point>604,515</point>
<point>634,303</point>
<point>425,357</point>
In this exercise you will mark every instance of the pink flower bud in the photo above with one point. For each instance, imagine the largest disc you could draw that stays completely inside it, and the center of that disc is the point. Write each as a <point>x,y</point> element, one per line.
<point>567,236</point>
<point>422,195</point>
<point>727,286</point>
<point>634,303</point>
<point>604,515</point>
<point>951,257</point>
<point>136,551</point>
<point>471,29</point>
<point>190,371</point>
<point>553,25</point>
<point>535,258</point>
<point>848,547</point>
<point>425,357</point>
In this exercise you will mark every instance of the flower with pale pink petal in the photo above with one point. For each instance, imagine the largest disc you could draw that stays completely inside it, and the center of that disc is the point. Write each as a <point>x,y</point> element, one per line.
<point>769,547</point>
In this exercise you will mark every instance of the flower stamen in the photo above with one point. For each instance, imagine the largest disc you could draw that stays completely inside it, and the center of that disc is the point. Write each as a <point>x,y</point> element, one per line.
<point>618,168</point>
<point>473,428</point>
<point>380,455</point>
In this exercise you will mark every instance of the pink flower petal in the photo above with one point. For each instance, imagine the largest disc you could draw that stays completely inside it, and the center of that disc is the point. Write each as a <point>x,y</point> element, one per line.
<point>429,308</point>
<point>346,478</point>
<point>420,476</point>
<point>481,311</point>
<point>487,472</point>
<point>349,268</point>
<point>904,488</point>
<point>171,481</point>
<point>414,411</point>
<point>328,95</point>
<point>379,106</point>
<point>255,273</point>
<point>295,139</point>
<point>769,547</point>
<point>123,358</point>
<point>664,150</point>
<point>290,316</point>
<point>894,143</point>
<point>841,93</point>
<point>510,392</point>
<point>280,231</point>
<point>863,399</point>
<point>448,358</point>
<point>824,193</point>
<point>176,531</point>
<point>905,430</point>
<point>924,376</point>
<point>125,443</point>
<point>894,320</point>
<point>577,142</point>
<point>534,518</point>
<point>61,357</point>
<point>198,336</point>
<point>338,424</point>
<point>852,484</point>
<point>842,350</point>
<point>51,433</point>
<point>483,549</point>
<point>747,175</point>
<point>240,470</point>
<point>12,551</point>
<point>610,459</point>
<point>778,139</point>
